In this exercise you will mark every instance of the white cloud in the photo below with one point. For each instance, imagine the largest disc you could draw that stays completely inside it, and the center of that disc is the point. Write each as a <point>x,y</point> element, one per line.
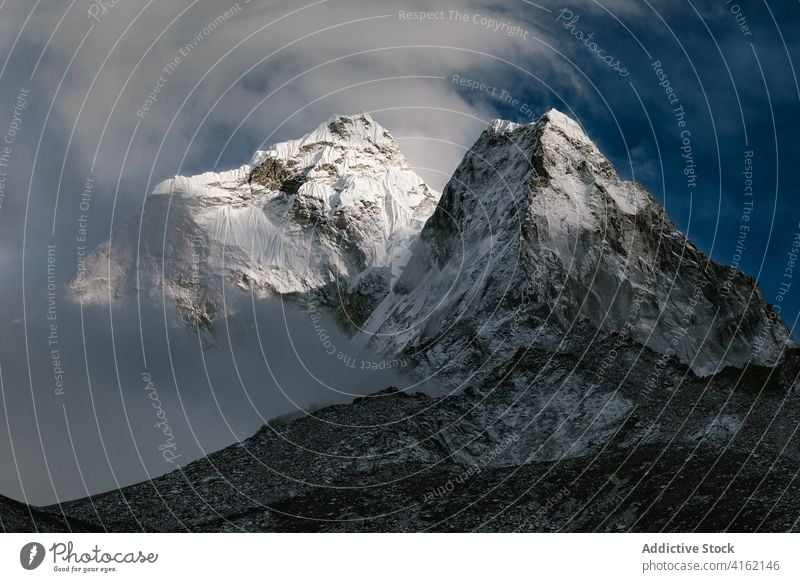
<point>332,57</point>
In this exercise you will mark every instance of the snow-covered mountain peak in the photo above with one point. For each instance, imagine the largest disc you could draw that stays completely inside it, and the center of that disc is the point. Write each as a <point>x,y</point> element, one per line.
<point>302,214</point>
<point>573,178</point>
<point>352,133</point>
<point>556,131</point>
<point>503,126</point>
<point>552,121</point>
<point>536,233</point>
<point>556,140</point>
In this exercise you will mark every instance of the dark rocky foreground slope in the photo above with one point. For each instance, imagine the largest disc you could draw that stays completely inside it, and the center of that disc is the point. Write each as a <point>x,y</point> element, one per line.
<point>18,517</point>
<point>706,454</point>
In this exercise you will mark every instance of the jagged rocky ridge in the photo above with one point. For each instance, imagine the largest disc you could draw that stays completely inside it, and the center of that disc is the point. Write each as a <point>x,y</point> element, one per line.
<point>552,291</point>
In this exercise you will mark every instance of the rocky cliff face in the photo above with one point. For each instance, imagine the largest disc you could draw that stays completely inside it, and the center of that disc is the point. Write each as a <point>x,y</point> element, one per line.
<point>535,233</point>
<point>301,215</point>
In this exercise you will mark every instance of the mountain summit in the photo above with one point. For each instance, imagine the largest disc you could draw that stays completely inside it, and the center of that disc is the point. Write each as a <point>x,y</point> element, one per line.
<point>300,215</point>
<point>535,237</point>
